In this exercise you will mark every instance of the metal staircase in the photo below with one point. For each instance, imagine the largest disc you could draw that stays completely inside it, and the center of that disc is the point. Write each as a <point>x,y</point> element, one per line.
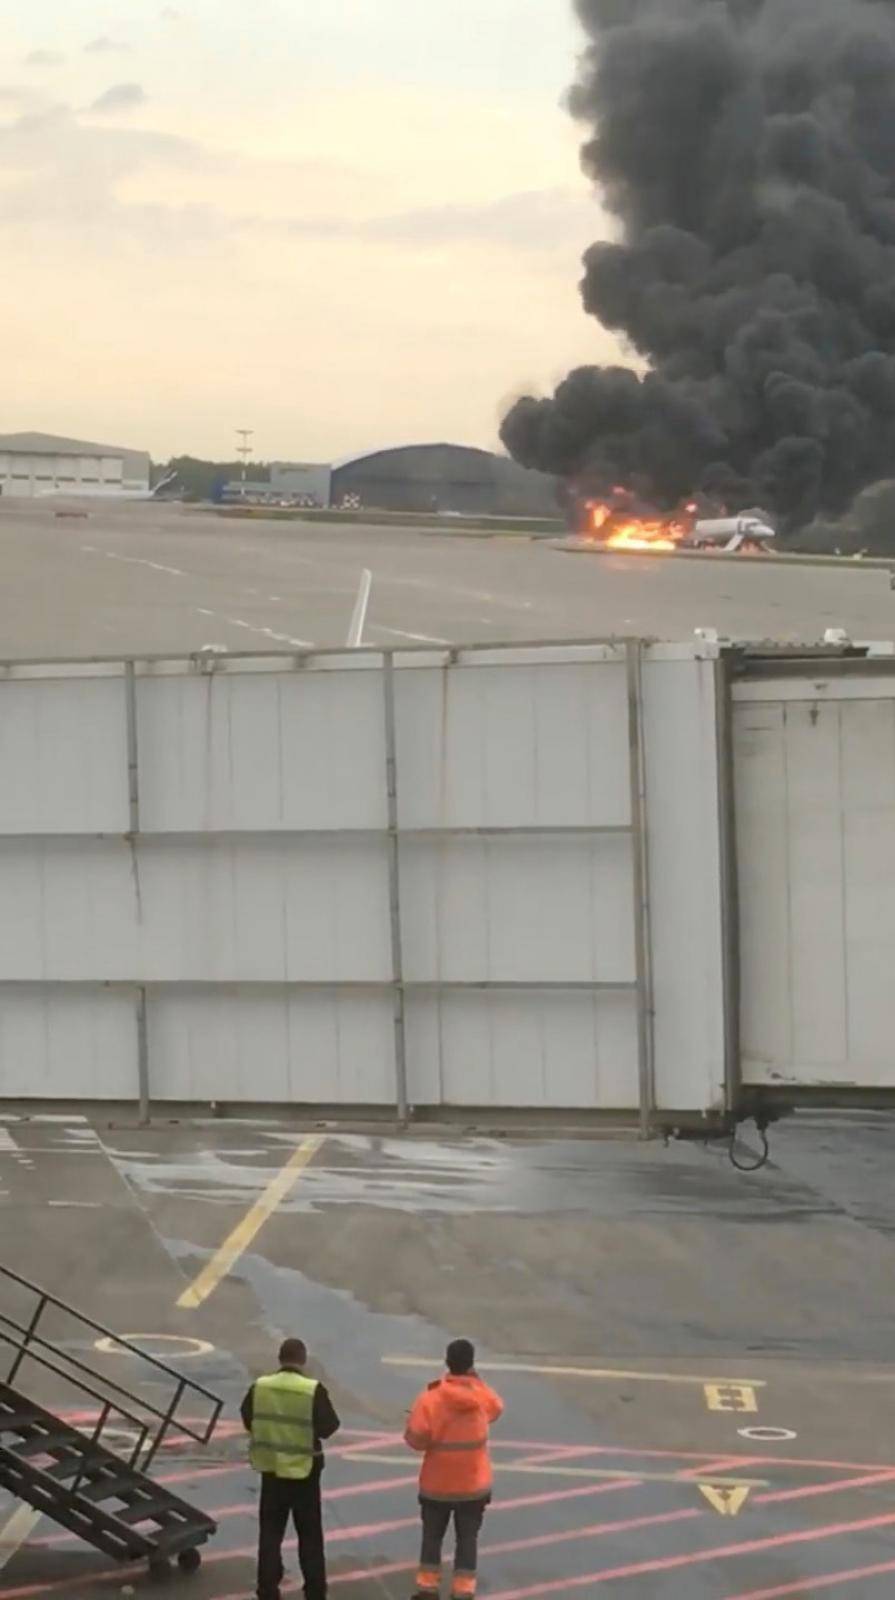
<point>67,1470</point>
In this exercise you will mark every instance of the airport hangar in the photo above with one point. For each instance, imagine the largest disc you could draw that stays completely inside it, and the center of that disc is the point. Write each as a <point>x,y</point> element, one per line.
<point>416,478</point>
<point>32,464</point>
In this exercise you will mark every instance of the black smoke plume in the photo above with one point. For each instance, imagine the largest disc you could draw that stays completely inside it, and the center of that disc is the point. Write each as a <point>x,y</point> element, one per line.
<point>747,149</point>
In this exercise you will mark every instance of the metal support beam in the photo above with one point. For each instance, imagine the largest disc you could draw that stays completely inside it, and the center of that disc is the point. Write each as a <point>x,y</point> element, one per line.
<point>133,770</point>
<point>730,914</point>
<point>133,801</point>
<point>642,935</point>
<point>143,1058</point>
<point>394,886</point>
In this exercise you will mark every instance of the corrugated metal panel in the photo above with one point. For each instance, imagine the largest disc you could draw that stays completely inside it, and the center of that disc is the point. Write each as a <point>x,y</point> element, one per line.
<point>565,1049</point>
<point>685,882</point>
<point>815,793</point>
<point>61,743</point>
<point>513,745</point>
<point>274,756</point>
<point>68,1044</point>
<point>277,1046</point>
<point>286,750</point>
<point>219,910</point>
<point>519,909</point>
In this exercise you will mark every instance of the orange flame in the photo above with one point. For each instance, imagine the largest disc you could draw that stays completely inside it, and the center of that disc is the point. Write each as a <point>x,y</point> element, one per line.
<point>622,532</point>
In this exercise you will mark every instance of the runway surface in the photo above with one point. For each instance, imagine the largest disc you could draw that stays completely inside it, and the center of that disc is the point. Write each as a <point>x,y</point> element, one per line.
<point>696,1363</point>
<point>152,579</point>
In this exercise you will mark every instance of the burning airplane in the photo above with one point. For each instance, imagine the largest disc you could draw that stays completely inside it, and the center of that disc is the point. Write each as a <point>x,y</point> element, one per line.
<point>621,522</point>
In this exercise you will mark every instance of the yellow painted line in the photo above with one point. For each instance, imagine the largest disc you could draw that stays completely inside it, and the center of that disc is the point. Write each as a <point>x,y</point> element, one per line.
<point>587,1372</point>
<point>14,1532</point>
<point>226,1256</point>
<point>635,1475</point>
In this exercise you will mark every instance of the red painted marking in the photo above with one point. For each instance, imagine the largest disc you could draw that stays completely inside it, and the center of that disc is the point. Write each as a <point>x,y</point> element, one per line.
<point>244,1508</point>
<point>218,1556</point>
<point>199,1474</point>
<point>721,1464</point>
<point>506,1547</point>
<point>538,1541</point>
<point>827,1580</point>
<point>659,1455</point>
<point>807,1491</point>
<point>693,1558</point>
<point>686,1514</point>
<point>693,1455</point>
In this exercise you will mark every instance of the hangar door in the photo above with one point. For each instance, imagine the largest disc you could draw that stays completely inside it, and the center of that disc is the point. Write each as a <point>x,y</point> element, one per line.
<point>814,788</point>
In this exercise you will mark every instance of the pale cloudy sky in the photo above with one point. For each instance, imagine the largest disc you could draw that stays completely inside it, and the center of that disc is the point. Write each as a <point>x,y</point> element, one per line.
<point>343,223</point>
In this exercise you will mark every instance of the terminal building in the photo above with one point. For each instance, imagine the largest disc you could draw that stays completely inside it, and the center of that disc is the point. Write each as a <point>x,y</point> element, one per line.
<point>42,463</point>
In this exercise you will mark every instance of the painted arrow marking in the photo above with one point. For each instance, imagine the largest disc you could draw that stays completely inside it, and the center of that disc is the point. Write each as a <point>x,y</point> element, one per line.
<point>727,1502</point>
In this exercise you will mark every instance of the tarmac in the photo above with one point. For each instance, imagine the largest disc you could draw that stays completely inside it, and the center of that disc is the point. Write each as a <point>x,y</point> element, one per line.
<point>145,579</point>
<point>696,1363</point>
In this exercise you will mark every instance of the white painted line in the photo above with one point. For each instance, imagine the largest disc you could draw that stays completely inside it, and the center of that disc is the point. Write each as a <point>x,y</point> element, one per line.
<point>767,1435</point>
<point>8,1145</point>
<point>629,1375</point>
<point>531,1469</point>
<point>13,1535</point>
<point>418,638</point>
<point>252,627</point>
<point>133,561</point>
<point>192,1347</point>
<point>359,614</point>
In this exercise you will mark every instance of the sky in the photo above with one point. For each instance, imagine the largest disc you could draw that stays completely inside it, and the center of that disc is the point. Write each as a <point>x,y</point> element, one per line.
<point>341,223</point>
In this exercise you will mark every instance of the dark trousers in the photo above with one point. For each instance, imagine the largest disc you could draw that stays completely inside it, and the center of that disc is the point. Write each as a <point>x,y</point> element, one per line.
<point>468,1516</point>
<point>300,1498</point>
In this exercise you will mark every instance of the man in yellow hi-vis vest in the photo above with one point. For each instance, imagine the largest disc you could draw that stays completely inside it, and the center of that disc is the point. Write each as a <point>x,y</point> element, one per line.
<point>288,1416</point>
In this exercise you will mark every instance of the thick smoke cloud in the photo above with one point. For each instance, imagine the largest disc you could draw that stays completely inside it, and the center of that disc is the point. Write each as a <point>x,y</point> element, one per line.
<point>747,149</point>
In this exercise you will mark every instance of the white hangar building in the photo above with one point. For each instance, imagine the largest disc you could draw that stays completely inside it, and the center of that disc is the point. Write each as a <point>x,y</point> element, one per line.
<point>41,463</point>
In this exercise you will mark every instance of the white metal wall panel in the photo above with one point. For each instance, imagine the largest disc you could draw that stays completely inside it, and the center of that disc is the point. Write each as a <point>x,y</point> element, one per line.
<point>61,755</point>
<point>287,749</point>
<point>513,745</point>
<point>68,1044</point>
<point>506,741</point>
<point>244,911</point>
<point>219,910</point>
<point>815,800</point>
<point>561,1049</point>
<point>523,909</point>
<point>683,832</point>
<point>275,1046</point>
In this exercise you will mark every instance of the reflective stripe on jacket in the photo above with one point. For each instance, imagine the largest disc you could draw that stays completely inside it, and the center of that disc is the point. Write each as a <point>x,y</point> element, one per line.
<point>449,1424</point>
<point>283,1425</point>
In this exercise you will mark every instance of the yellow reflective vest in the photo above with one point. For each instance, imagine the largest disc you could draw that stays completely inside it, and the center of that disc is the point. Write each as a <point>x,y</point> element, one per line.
<point>283,1425</point>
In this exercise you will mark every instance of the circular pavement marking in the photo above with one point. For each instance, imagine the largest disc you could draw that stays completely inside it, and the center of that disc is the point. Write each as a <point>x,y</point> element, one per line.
<point>767,1435</point>
<point>192,1347</point>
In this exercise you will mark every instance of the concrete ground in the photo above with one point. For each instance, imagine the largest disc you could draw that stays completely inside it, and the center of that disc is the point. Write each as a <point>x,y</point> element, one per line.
<point>147,578</point>
<point>642,1310</point>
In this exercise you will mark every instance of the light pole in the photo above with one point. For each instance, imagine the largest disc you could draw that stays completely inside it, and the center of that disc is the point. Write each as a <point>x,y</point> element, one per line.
<point>244,450</point>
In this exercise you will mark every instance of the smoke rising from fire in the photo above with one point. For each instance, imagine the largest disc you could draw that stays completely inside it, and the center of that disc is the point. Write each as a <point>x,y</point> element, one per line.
<point>747,149</point>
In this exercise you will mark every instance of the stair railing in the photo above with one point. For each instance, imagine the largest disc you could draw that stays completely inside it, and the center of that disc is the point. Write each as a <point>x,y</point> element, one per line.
<point>25,1336</point>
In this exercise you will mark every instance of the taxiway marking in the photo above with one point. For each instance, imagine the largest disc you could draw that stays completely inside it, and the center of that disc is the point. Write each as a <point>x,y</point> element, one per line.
<point>15,1531</point>
<point>603,1373</point>
<point>547,1470</point>
<point>227,1254</point>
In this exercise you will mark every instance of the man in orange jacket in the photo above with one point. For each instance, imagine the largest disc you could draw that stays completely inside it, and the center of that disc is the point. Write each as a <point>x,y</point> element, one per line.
<point>449,1425</point>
